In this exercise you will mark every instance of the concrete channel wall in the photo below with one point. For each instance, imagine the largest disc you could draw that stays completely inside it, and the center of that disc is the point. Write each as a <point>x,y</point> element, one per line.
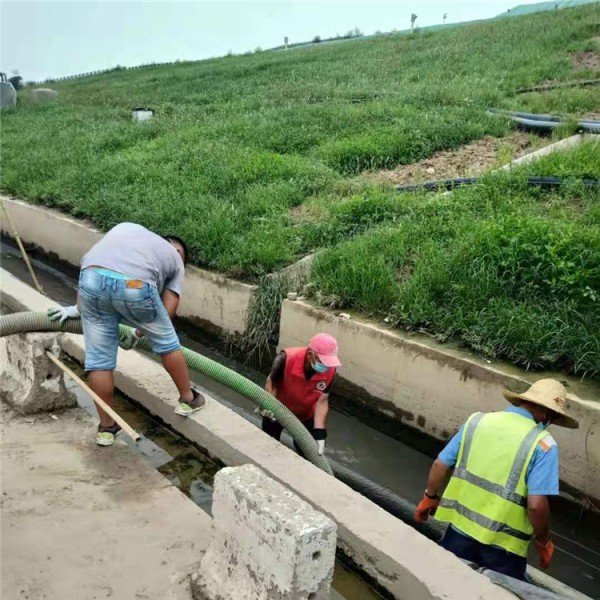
<point>434,388</point>
<point>565,144</point>
<point>211,301</point>
<point>399,559</point>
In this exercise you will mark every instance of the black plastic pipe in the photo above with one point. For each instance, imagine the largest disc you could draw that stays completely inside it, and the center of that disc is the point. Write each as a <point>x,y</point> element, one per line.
<point>449,184</point>
<point>388,500</point>
<point>544,122</point>
<point>534,116</point>
<point>556,86</point>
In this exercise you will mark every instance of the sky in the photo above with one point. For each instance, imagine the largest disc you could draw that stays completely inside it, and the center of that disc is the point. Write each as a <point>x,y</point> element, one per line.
<point>44,38</point>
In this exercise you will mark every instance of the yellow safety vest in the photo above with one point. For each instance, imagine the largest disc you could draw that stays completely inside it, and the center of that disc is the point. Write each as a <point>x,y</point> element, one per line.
<point>486,498</point>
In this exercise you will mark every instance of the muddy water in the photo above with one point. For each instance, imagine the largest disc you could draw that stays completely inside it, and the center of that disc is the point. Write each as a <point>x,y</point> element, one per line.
<point>385,460</point>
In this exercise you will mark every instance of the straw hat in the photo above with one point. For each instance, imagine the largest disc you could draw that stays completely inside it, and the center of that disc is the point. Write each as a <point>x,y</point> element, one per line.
<point>551,394</point>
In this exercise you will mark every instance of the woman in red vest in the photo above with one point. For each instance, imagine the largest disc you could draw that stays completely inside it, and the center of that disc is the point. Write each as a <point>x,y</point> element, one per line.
<point>301,379</point>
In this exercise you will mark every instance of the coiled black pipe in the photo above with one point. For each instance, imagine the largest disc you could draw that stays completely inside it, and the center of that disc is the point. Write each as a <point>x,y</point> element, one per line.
<point>514,113</point>
<point>539,122</point>
<point>450,184</point>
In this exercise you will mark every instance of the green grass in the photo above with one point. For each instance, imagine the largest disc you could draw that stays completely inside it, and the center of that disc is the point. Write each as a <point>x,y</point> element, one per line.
<point>252,160</point>
<point>501,268</point>
<point>239,143</point>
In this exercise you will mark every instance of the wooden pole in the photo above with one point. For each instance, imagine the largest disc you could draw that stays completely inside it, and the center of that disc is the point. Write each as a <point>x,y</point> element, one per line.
<point>134,435</point>
<point>21,247</point>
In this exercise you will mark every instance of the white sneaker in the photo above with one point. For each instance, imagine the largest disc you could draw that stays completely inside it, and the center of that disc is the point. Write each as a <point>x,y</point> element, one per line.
<point>185,409</point>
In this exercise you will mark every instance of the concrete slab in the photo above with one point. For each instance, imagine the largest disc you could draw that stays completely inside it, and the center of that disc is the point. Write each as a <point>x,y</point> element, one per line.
<point>569,142</point>
<point>80,521</point>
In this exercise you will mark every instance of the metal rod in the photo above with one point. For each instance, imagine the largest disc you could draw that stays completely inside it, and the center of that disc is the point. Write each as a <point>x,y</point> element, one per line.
<point>21,247</point>
<point>134,435</point>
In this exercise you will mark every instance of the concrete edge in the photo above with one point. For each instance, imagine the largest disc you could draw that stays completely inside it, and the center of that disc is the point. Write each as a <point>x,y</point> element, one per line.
<point>569,142</point>
<point>211,300</point>
<point>388,550</point>
<point>430,348</point>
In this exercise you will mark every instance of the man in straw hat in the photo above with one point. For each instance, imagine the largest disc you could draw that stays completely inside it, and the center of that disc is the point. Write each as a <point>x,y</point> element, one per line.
<point>505,467</point>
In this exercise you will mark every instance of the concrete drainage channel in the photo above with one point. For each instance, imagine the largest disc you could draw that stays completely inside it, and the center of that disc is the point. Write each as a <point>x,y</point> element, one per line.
<point>188,468</point>
<point>386,548</point>
<point>425,461</point>
<point>192,471</point>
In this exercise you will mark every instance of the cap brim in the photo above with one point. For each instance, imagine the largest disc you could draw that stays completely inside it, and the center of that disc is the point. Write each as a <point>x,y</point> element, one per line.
<point>329,360</point>
<point>559,419</point>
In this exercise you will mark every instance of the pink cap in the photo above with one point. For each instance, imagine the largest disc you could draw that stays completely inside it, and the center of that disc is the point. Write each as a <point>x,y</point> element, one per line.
<point>325,347</point>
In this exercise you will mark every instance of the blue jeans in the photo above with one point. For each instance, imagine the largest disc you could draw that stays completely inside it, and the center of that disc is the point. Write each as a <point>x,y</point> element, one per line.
<point>104,300</point>
<point>492,557</point>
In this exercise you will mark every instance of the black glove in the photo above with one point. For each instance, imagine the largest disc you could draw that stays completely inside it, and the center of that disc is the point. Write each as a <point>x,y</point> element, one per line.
<point>319,434</point>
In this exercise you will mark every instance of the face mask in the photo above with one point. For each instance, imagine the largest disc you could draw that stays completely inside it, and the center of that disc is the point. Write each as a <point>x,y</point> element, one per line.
<point>319,367</point>
<point>545,424</point>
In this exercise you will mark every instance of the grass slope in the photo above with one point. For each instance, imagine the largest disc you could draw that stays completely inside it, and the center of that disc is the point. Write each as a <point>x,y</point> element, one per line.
<point>238,142</point>
<point>251,158</point>
<point>502,268</point>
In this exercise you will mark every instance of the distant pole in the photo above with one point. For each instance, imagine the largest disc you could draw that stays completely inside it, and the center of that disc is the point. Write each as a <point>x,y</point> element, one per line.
<point>413,18</point>
<point>445,17</point>
<point>285,41</point>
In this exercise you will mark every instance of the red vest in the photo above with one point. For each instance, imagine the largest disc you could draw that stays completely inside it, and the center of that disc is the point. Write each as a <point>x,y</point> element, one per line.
<point>295,391</point>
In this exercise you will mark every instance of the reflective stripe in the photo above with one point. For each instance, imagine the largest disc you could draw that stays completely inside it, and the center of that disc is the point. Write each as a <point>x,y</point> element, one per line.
<point>508,491</point>
<point>521,458</point>
<point>483,521</point>
<point>490,486</point>
<point>468,439</point>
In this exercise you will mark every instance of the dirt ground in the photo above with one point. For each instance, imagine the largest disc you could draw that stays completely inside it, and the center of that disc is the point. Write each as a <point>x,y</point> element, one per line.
<point>79,521</point>
<point>467,161</point>
<point>590,59</point>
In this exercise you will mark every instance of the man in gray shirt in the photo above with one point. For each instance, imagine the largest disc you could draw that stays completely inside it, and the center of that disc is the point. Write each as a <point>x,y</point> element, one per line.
<point>132,274</point>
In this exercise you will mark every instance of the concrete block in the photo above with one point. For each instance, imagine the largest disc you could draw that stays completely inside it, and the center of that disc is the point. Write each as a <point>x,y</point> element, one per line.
<point>266,543</point>
<point>30,382</point>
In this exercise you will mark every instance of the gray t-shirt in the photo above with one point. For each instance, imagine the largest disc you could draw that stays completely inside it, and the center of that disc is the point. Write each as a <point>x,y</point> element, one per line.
<point>140,254</point>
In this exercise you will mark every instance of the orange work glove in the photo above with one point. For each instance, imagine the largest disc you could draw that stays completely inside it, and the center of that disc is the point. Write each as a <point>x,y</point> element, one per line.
<point>545,550</point>
<point>426,507</point>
